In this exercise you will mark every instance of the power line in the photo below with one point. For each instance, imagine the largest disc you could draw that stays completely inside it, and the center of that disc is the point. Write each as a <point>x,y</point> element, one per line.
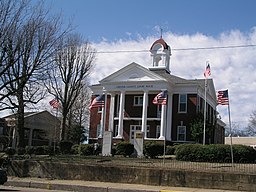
<point>182,49</point>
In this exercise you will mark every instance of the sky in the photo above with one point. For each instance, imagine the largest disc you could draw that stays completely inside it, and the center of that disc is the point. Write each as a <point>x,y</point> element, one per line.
<point>218,25</point>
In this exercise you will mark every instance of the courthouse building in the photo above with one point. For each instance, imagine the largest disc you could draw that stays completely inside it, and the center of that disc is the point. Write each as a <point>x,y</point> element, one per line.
<point>129,108</point>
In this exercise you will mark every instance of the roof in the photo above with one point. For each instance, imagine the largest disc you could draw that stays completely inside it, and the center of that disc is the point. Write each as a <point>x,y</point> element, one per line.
<point>26,114</point>
<point>160,41</point>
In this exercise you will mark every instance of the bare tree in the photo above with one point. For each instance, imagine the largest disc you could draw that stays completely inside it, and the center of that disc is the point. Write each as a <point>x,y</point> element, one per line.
<point>73,63</point>
<point>251,129</point>
<point>28,56</point>
<point>78,117</point>
<point>11,13</point>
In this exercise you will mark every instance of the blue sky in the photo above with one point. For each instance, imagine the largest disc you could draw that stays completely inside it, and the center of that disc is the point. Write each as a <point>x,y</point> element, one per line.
<point>115,19</point>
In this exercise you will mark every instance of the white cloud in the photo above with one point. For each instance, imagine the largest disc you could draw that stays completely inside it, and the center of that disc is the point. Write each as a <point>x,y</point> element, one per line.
<point>232,68</point>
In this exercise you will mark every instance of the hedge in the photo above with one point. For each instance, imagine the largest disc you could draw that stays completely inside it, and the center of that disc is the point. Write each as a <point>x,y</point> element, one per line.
<point>124,148</point>
<point>215,153</point>
<point>153,149</point>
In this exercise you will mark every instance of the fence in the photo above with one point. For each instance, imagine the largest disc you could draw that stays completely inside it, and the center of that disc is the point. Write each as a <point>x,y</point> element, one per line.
<point>170,163</point>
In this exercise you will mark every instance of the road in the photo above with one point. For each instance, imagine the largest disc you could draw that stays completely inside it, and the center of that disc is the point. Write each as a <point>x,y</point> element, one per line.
<point>21,189</point>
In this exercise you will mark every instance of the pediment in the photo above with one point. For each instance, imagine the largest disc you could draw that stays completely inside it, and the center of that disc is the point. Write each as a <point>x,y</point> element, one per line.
<point>132,73</point>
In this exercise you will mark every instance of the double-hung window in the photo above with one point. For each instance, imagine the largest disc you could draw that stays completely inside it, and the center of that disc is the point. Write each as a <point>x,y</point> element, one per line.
<point>182,103</point>
<point>138,101</point>
<point>181,133</point>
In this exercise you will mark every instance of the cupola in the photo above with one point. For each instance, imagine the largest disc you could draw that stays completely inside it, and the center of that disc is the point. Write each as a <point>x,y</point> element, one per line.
<point>160,53</point>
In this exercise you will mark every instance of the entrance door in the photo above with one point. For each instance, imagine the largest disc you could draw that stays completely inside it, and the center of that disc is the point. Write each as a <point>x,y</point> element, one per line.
<point>134,129</point>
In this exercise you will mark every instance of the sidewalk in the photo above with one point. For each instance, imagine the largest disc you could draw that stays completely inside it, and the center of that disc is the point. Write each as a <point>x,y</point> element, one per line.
<point>92,186</point>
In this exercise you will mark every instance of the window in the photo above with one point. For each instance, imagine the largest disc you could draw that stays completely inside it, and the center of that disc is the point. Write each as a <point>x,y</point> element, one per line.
<point>181,133</point>
<point>182,103</point>
<point>138,101</point>
<point>1,130</point>
<point>98,130</point>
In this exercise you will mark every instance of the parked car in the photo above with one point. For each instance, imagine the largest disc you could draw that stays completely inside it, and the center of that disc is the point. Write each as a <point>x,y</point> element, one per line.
<point>3,176</point>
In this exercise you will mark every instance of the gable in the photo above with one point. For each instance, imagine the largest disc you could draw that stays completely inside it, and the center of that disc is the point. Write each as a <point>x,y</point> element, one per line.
<point>132,73</point>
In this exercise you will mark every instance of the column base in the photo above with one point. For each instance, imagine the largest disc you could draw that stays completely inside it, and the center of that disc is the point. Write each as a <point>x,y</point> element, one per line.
<point>118,137</point>
<point>161,138</point>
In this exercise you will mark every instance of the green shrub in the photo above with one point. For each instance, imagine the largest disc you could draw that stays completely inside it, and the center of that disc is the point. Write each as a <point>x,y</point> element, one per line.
<point>87,149</point>
<point>244,154</point>
<point>75,149</point>
<point>170,150</point>
<point>188,152</point>
<point>215,153</point>
<point>124,148</point>
<point>65,147</point>
<point>153,149</point>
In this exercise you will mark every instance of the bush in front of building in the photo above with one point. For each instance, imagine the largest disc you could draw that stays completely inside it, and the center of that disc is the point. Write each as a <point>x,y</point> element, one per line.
<point>215,153</point>
<point>87,149</point>
<point>170,150</point>
<point>65,147</point>
<point>153,149</point>
<point>244,154</point>
<point>75,149</point>
<point>124,148</point>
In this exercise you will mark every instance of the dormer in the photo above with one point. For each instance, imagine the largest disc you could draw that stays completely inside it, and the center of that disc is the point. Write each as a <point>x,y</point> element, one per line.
<point>160,53</point>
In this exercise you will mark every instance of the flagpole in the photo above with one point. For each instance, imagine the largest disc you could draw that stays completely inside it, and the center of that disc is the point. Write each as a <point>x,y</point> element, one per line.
<point>231,143</point>
<point>205,86</point>
<point>55,130</point>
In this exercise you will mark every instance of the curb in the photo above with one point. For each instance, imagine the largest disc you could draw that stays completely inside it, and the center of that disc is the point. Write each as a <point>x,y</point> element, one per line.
<point>67,187</point>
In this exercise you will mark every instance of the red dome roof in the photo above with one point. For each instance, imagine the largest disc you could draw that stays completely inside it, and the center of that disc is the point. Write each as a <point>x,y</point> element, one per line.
<point>160,41</point>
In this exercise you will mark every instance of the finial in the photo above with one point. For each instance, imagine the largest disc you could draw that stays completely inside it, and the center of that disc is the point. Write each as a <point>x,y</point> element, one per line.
<point>161,31</point>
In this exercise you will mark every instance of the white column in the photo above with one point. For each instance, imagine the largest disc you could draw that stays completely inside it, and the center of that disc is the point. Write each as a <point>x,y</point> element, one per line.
<point>144,114</point>
<point>111,113</point>
<point>162,127</point>
<point>101,123</point>
<point>121,115</point>
<point>169,118</point>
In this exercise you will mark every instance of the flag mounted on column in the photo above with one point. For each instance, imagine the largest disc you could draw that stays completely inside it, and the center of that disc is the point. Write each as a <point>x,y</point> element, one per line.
<point>54,103</point>
<point>97,102</point>
<point>207,71</point>
<point>160,98</point>
<point>222,97</point>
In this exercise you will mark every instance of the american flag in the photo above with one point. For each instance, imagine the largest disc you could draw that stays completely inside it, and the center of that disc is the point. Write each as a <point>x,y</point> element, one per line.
<point>54,103</point>
<point>223,97</point>
<point>97,102</point>
<point>160,98</point>
<point>207,72</point>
